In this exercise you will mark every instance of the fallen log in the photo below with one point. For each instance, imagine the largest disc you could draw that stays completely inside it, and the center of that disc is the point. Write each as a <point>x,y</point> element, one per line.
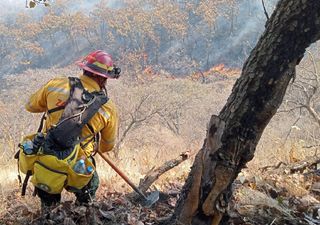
<point>154,174</point>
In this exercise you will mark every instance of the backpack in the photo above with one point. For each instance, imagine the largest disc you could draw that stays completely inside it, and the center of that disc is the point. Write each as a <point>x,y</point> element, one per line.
<point>54,153</point>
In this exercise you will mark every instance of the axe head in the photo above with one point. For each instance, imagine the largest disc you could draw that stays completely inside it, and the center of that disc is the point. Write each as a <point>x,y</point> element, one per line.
<point>152,198</point>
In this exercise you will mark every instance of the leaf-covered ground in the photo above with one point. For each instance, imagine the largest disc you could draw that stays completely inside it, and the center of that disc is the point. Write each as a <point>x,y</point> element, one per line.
<point>108,208</point>
<point>276,197</point>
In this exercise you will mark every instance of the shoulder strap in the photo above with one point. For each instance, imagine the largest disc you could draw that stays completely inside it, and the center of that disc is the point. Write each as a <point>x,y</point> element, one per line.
<point>56,109</point>
<point>43,118</point>
<point>81,106</point>
<point>25,183</point>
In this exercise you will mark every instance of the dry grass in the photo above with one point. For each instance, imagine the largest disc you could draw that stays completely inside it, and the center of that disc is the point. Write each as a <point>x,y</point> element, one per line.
<point>151,143</point>
<point>146,146</point>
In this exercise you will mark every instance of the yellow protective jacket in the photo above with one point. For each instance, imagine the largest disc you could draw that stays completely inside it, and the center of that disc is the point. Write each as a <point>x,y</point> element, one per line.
<point>56,92</point>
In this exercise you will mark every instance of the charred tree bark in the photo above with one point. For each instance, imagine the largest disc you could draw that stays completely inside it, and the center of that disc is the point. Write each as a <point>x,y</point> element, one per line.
<point>233,135</point>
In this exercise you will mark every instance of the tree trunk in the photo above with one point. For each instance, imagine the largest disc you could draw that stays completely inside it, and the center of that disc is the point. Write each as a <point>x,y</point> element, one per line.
<point>233,135</point>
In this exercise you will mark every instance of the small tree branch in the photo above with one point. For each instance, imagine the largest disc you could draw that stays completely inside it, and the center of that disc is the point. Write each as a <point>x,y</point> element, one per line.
<point>292,109</point>
<point>311,146</point>
<point>314,114</point>
<point>307,163</point>
<point>295,122</point>
<point>265,10</point>
<point>315,69</point>
<point>265,168</point>
<point>154,174</point>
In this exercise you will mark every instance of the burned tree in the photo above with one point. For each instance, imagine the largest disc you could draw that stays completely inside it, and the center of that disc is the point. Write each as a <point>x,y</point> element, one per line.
<point>232,136</point>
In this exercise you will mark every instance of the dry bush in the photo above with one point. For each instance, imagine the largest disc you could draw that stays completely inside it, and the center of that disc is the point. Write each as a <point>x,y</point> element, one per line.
<point>293,133</point>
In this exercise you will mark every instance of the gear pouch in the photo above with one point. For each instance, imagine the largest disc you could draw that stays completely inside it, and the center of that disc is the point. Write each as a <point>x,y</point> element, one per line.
<point>26,162</point>
<point>76,181</point>
<point>50,174</point>
<point>48,179</point>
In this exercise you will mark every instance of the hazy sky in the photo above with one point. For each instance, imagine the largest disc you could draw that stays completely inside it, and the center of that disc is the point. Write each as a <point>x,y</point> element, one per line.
<point>15,6</point>
<point>11,6</point>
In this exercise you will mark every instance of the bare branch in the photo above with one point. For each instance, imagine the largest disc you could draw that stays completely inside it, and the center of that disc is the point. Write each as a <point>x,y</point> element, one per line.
<point>265,10</point>
<point>154,174</point>
<point>311,146</point>
<point>292,126</point>
<point>315,69</point>
<point>314,114</point>
<point>291,109</point>
<point>307,163</point>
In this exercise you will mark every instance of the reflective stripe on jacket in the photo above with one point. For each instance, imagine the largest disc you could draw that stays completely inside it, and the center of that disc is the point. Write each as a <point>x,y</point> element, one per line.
<point>56,92</point>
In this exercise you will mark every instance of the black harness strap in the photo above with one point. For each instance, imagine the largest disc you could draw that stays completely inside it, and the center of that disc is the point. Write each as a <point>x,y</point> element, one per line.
<point>56,109</point>
<point>90,128</point>
<point>43,118</point>
<point>81,106</point>
<point>97,141</point>
<point>25,182</point>
<point>16,156</point>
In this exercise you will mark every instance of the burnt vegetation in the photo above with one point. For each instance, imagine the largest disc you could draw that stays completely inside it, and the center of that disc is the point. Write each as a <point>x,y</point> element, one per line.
<point>259,162</point>
<point>176,36</point>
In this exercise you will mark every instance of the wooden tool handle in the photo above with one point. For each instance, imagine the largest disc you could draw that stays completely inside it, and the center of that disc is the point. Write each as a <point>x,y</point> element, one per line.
<point>134,187</point>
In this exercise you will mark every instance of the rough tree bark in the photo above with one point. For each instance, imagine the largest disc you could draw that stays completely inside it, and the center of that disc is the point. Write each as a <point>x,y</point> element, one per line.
<point>233,135</point>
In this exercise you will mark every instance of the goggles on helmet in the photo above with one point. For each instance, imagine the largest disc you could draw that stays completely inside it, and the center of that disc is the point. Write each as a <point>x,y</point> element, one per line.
<point>112,71</point>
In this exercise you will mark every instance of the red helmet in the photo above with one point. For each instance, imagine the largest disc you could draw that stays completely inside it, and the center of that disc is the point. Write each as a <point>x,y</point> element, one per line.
<point>99,63</point>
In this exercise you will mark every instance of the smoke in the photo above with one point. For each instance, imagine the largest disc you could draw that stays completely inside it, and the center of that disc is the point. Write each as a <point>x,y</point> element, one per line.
<point>248,26</point>
<point>10,8</point>
<point>230,44</point>
<point>14,7</point>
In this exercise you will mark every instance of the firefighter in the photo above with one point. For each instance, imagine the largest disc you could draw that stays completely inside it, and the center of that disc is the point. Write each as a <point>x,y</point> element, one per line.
<point>97,68</point>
